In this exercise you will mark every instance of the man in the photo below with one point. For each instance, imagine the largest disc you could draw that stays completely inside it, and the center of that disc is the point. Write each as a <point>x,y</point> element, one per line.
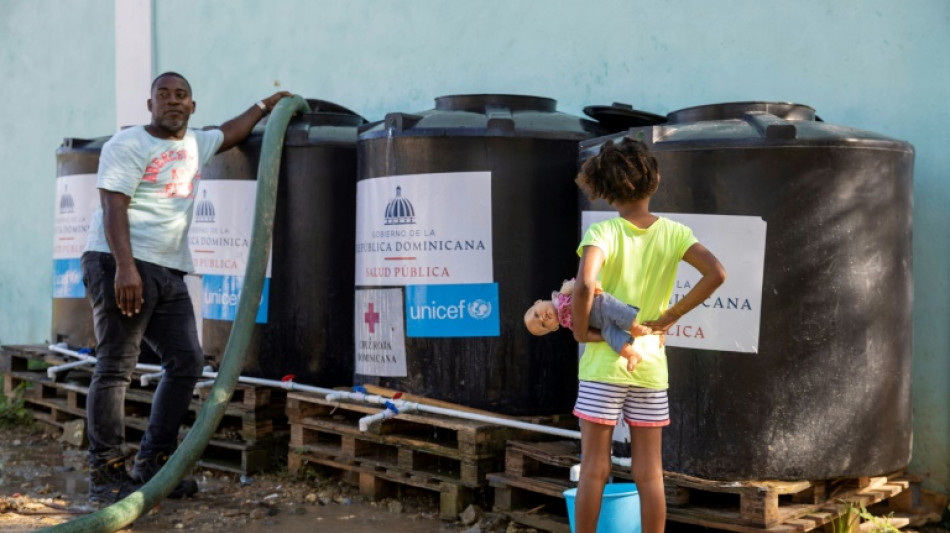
<point>133,267</point>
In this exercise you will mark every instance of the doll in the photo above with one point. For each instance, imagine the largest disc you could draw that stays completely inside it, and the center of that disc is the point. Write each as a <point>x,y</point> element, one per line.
<point>616,320</point>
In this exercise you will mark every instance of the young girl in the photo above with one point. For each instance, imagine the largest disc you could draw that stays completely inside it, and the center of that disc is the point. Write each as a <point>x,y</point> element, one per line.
<point>635,257</point>
<point>615,321</point>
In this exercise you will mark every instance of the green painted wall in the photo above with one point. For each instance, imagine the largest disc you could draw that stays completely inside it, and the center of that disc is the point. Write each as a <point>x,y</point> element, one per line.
<point>56,80</point>
<point>873,64</point>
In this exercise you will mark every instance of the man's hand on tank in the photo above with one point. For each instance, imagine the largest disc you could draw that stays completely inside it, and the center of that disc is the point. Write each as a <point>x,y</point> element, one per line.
<point>272,100</point>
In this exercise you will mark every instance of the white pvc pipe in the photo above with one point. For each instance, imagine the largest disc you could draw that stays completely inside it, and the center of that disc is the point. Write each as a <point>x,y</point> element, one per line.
<point>400,405</point>
<point>61,348</point>
<point>145,379</point>
<point>424,408</point>
<point>365,422</point>
<point>208,373</point>
<point>53,370</point>
<point>622,461</point>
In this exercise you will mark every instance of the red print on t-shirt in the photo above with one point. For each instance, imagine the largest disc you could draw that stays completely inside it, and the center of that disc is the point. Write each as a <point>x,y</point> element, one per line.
<point>156,165</point>
<point>181,186</point>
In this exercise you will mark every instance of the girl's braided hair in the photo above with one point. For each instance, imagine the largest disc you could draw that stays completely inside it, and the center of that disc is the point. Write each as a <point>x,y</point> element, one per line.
<point>621,172</point>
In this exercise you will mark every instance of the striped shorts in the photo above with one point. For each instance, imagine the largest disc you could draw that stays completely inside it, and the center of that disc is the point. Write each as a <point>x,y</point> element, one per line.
<point>603,403</point>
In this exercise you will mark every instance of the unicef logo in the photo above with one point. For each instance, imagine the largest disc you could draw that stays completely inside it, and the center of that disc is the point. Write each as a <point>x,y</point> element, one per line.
<point>452,310</point>
<point>479,309</point>
<point>69,278</point>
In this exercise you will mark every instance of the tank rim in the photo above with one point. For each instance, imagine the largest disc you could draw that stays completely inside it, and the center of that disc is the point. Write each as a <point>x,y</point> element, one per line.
<point>736,110</point>
<point>478,101</point>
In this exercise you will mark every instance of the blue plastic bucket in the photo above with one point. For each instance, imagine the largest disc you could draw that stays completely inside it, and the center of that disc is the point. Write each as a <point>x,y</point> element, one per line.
<point>619,512</point>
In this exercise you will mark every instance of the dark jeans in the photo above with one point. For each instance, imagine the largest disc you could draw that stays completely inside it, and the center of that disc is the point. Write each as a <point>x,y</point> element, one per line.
<point>167,324</point>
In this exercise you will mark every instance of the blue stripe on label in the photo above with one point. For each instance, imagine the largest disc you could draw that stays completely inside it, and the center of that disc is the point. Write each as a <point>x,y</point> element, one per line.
<point>220,295</point>
<point>452,310</point>
<point>67,279</point>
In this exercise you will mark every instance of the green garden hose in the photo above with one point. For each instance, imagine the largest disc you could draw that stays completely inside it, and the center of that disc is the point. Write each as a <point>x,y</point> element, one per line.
<point>126,511</point>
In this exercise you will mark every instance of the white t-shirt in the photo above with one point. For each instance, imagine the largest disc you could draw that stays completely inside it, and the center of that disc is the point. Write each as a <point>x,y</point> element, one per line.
<point>160,176</point>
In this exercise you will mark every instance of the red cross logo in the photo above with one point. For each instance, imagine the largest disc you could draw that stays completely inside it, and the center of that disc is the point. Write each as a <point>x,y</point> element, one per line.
<point>372,318</point>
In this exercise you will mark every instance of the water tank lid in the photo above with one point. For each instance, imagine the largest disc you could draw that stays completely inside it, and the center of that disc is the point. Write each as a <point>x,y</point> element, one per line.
<point>76,144</point>
<point>323,106</point>
<point>737,110</point>
<point>476,103</point>
<point>486,115</point>
<point>619,116</point>
<point>325,123</point>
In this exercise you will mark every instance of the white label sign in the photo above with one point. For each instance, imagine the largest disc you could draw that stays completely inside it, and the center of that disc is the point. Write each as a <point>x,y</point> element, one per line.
<point>424,229</point>
<point>729,319</point>
<point>76,199</point>
<point>220,233</point>
<point>379,332</point>
<point>220,243</point>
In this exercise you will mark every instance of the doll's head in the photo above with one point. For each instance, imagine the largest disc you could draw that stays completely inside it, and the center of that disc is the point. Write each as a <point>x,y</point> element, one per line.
<point>621,172</point>
<point>541,318</point>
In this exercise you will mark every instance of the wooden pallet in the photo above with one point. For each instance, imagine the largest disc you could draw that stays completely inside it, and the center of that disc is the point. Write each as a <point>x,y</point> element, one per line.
<point>450,455</point>
<point>28,357</point>
<point>252,413</point>
<point>47,403</point>
<point>454,450</point>
<point>378,481</point>
<point>252,436</point>
<point>741,506</point>
<point>250,398</point>
<point>440,435</point>
<point>388,452</point>
<point>533,502</point>
<point>222,454</point>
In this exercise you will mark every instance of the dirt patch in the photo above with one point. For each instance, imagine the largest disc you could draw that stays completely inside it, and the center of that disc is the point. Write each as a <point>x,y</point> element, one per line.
<point>44,481</point>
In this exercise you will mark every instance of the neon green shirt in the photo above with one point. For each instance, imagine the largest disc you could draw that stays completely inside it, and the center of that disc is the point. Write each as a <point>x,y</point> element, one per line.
<point>639,269</point>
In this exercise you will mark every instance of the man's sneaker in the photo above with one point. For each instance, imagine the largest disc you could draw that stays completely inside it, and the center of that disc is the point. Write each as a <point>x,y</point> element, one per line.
<point>146,467</point>
<point>110,482</point>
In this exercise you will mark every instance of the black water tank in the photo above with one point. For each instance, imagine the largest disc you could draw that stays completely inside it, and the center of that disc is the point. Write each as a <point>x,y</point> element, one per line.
<point>826,392</point>
<point>307,331</point>
<point>467,214</point>
<point>77,162</point>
